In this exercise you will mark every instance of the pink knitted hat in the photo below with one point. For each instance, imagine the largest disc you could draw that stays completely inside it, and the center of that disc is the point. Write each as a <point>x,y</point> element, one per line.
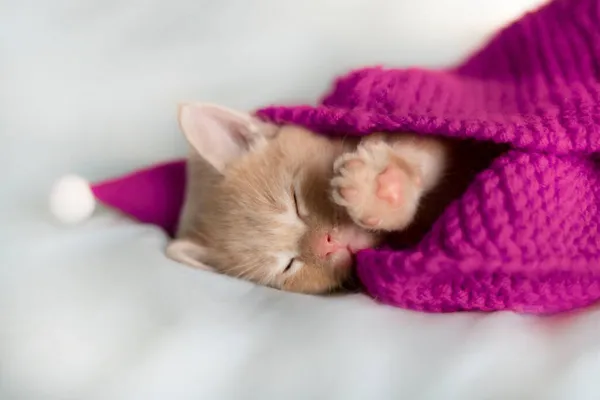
<point>152,195</point>
<point>525,236</point>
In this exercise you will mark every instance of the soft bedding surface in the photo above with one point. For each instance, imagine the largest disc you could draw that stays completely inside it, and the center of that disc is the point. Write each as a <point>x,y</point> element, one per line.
<point>97,311</point>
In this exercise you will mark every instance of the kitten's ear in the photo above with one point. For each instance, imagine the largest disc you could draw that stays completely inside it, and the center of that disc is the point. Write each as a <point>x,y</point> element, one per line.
<point>219,134</point>
<point>187,252</point>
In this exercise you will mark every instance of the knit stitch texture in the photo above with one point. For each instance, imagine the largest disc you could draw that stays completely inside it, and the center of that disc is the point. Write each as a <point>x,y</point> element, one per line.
<point>524,236</point>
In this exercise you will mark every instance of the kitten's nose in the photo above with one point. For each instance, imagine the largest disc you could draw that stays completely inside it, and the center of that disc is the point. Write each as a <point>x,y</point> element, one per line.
<point>326,245</point>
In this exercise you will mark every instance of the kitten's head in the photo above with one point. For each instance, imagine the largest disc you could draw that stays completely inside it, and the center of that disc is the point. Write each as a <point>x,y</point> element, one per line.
<point>258,205</point>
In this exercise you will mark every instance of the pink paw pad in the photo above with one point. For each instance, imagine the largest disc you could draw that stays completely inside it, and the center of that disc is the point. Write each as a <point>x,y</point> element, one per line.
<point>354,164</point>
<point>371,222</point>
<point>390,185</point>
<point>349,193</point>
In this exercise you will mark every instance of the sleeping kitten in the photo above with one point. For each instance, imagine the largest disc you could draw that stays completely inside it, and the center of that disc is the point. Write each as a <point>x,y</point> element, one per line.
<point>287,208</point>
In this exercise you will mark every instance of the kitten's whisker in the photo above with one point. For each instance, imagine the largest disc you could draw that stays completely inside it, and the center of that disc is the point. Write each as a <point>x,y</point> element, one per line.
<point>267,279</point>
<point>250,273</point>
<point>245,272</point>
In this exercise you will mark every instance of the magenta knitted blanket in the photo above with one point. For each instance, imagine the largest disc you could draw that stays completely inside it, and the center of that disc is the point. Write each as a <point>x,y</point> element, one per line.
<point>525,235</point>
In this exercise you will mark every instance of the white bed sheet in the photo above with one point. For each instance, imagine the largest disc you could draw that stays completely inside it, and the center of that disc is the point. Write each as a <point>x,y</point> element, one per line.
<point>97,311</point>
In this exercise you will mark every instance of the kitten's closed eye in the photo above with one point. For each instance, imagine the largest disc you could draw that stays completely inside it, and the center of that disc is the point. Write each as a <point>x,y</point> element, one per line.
<point>289,266</point>
<point>301,210</point>
<point>295,198</point>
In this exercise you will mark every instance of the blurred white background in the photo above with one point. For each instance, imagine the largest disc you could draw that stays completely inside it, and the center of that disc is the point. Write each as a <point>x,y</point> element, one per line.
<point>97,312</point>
<point>97,81</point>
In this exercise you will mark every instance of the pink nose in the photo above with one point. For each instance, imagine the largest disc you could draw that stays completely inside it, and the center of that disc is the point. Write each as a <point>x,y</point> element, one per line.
<point>326,245</point>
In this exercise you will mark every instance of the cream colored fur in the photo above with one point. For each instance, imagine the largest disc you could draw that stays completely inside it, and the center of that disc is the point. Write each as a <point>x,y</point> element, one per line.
<point>265,202</point>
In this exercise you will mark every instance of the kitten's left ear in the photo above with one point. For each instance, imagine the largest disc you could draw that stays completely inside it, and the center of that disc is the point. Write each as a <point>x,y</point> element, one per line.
<point>189,253</point>
<point>220,135</point>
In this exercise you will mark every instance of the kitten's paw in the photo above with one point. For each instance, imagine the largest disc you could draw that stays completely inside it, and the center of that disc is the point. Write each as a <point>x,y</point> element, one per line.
<point>378,189</point>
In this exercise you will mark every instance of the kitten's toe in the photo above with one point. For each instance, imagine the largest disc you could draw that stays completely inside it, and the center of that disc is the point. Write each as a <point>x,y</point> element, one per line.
<point>350,173</point>
<point>349,194</point>
<point>347,162</point>
<point>344,191</point>
<point>370,222</point>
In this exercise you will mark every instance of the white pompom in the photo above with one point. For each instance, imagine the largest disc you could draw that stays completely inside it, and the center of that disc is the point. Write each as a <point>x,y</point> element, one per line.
<point>72,200</point>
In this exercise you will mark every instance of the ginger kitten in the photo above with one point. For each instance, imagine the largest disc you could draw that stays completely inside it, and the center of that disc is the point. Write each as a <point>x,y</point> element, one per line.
<point>287,208</point>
